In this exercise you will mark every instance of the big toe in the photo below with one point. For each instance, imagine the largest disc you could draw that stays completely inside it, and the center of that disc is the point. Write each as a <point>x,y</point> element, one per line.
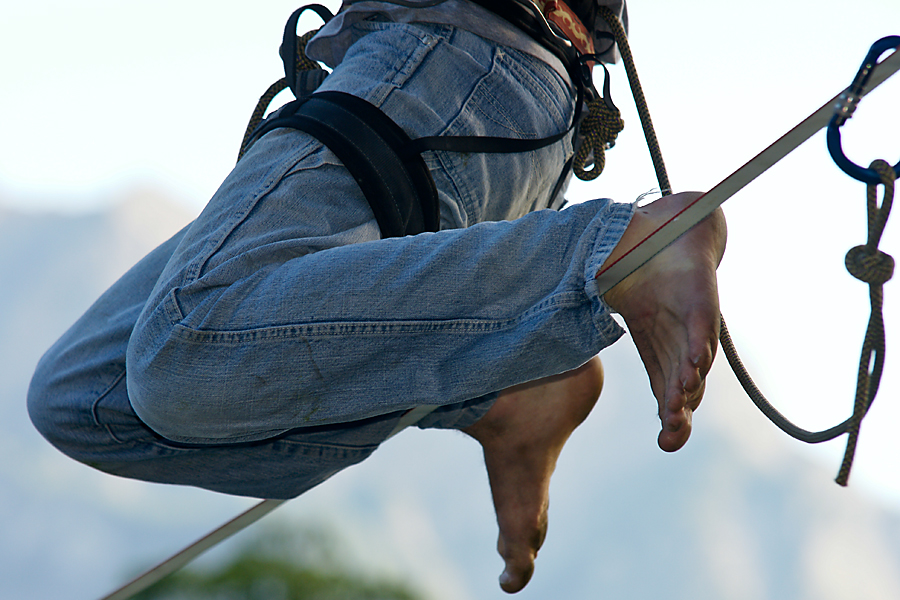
<point>675,432</point>
<point>519,567</point>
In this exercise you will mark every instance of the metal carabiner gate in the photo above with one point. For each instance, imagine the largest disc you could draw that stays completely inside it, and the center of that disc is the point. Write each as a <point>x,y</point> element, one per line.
<point>846,107</point>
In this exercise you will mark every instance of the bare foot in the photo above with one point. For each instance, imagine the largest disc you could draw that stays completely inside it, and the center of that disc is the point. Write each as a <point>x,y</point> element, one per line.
<point>671,307</point>
<point>522,436</point>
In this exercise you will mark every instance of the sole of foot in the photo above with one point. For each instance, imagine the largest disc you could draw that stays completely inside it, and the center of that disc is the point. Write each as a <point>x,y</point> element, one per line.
<point>522,437</point>
<point>671,308</point>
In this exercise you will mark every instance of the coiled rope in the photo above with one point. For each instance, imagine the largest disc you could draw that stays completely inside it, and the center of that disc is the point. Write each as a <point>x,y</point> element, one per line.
<point>865,262</point>
<point>599,130</point>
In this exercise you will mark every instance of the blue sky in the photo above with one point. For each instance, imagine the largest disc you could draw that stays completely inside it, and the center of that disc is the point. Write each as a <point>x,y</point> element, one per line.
<point>101,95</point>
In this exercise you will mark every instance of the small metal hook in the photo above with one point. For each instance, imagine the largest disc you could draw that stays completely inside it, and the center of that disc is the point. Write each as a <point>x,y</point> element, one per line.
<point>846,106</point>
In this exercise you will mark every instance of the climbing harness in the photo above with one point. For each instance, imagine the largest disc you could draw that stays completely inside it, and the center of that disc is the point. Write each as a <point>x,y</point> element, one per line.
<point>387,164</point>
<point>407,207</point>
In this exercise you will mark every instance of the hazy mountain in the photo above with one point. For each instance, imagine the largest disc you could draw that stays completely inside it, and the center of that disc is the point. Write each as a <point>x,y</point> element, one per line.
<point>736,514</point>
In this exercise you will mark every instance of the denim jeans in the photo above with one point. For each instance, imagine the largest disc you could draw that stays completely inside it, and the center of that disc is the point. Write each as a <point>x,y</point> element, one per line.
<point>277,339</point>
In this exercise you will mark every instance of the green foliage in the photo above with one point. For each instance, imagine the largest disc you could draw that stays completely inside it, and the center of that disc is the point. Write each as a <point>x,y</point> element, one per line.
<point>278,566</point>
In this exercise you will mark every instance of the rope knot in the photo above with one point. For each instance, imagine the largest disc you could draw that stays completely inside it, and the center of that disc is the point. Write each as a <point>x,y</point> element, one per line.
<point>869,265</point>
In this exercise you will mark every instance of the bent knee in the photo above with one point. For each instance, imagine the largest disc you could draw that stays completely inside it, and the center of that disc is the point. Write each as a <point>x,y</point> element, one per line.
<point>63,403</point>
<point>158,377</point>
<point>204,387</point>
<point>179,398</point>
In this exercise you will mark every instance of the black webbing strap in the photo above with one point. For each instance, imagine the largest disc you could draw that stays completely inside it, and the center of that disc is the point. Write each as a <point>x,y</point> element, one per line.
<point>475,144</point>
<point>375,150</point>
<point>295,70</point>
<point>385,162</point>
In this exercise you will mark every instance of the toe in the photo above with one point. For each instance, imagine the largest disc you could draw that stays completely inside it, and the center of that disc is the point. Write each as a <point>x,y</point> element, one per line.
<point>515,577</point>
<point>519,566</point>
<point>519,541</point>
<point>676,430</point>
<point>677,414</point>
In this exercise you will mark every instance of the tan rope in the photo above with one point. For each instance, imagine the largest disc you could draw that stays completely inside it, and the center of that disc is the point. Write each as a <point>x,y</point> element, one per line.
<point>260,111</point>
<point>304,63</point>
<point>599,129</point>
<point>637,91</point>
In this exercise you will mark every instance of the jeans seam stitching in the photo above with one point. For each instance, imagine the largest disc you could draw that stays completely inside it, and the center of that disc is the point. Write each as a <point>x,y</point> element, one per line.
<point>376,328</point>
<point>95,407</point>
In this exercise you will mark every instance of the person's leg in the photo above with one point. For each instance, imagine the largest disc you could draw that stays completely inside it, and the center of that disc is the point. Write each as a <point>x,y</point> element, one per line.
<point>260,325</point>
<point>83,373</point>
<point>78,397</point>
<point>78,401</point>
<point>671,308</point>
<point>437,319</point>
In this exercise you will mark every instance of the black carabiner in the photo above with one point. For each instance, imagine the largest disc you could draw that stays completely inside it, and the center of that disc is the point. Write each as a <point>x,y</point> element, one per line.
<point>847,105</point>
